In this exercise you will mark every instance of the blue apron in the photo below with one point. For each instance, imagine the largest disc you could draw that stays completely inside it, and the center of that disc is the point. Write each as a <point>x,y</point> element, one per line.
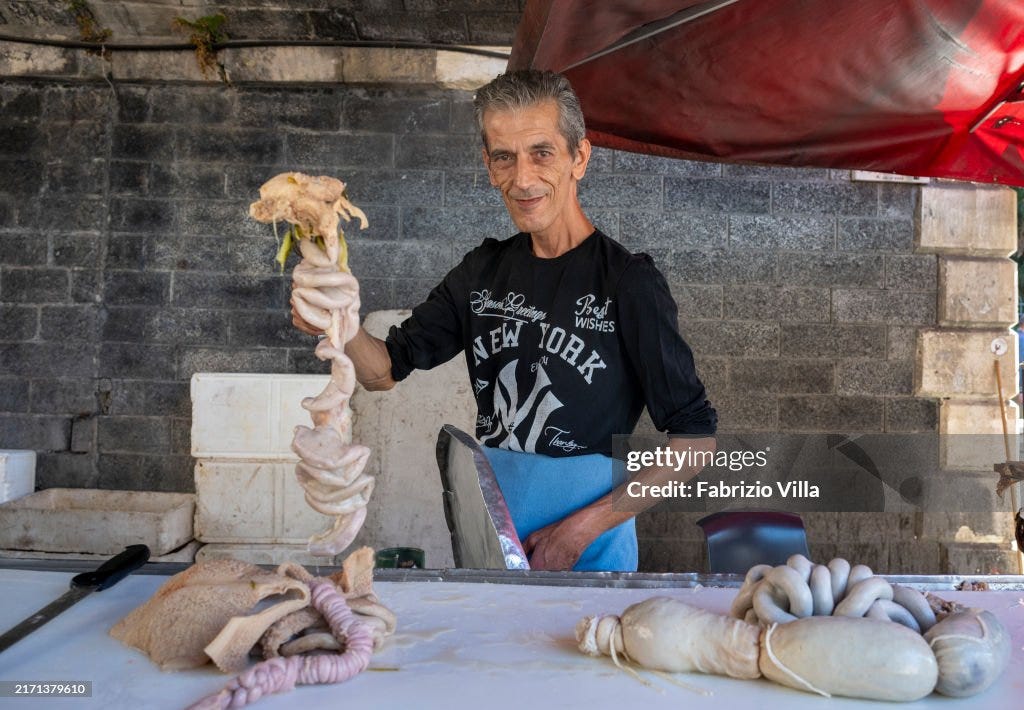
<point>540,490</point>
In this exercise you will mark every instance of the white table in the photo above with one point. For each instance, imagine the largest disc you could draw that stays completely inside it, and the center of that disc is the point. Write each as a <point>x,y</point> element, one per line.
<point>459,645</point>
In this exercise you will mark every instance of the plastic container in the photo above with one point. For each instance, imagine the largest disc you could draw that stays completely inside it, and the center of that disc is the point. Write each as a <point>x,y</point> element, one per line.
<point>253,502</point>
<point>96,521</point>
<point>249,416</point>
<point>17,473</point>
<point>400,558</point>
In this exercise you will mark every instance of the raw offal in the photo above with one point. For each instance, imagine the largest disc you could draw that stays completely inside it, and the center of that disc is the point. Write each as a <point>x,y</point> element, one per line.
<point>200,615</point>
<point>848,656</point>
<point>326,295</point>
<point>800,588</point>
<point>972,648</point>
<point>668,635</point>
<point>279,675</point>
<point>821,629</point>
<point>306,630</point>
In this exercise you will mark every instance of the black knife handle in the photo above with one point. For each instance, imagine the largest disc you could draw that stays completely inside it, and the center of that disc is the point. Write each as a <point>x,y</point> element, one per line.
<point>113,570</point>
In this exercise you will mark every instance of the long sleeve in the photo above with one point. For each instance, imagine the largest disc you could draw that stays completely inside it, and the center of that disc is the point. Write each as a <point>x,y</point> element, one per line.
<point>674,395</point>
<point>432,334</point>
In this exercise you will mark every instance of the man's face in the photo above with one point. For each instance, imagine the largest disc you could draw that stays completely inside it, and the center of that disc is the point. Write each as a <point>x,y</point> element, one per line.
<point>528,159</point>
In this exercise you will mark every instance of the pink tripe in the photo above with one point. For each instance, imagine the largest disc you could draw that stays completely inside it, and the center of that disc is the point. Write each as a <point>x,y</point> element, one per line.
<point>282,674</point>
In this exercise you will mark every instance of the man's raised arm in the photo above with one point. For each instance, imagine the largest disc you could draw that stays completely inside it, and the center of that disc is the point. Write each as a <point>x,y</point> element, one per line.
<point>372,361</point>
<point>369,355</point>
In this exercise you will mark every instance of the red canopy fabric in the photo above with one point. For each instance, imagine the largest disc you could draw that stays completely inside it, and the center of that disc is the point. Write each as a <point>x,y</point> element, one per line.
<point>917,87</point>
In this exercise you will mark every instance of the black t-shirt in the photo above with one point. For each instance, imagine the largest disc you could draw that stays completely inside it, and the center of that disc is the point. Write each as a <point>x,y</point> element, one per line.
<point>563,353</point>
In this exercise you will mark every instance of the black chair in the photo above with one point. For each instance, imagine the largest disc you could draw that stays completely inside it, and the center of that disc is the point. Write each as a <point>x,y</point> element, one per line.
<point>739,539</point>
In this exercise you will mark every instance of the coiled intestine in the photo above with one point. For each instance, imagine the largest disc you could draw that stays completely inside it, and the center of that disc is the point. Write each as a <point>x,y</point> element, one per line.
<point>326,296</point>
<point>800,588</point>
<point>330,468</point>
<point>278,674</point>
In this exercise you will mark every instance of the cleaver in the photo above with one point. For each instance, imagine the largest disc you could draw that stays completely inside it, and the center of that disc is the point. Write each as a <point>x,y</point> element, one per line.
<point>82,585</point>
<point>483,536</point>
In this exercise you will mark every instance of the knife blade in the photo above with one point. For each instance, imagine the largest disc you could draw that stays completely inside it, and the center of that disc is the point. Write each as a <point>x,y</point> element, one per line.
<point>483,534</point>
<point>82,585</point>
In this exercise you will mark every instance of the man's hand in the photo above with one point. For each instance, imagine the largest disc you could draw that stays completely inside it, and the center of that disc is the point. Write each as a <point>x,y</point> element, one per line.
<point>299,323</point>
<point>558,546</point>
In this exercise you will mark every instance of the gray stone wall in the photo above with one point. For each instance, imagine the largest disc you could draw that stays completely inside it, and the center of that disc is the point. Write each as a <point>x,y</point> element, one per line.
<point>127,263</point>
<point>480,22</point>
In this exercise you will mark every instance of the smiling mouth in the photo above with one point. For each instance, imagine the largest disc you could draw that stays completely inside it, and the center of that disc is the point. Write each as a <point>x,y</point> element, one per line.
<point>528,202</point>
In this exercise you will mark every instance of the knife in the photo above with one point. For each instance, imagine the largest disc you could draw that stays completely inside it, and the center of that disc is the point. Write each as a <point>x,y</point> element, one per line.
<point>82,585</point>
<point>483,534</point>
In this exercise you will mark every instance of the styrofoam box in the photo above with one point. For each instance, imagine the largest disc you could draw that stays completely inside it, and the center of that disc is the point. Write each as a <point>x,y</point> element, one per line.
<point>249,416</point>
<point>96,521</point>
<point>262,554</point>
<point>184,554</point>
<point>253,501</point>
<point>17,473</point>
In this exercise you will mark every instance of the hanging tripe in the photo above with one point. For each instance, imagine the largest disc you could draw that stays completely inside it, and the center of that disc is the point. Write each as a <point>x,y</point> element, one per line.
<point>312,206</point>
<point>326,296</point>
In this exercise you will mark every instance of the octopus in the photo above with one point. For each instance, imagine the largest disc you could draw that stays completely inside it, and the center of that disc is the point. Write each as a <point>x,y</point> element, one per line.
<point>326,295</point>
<point>827,629</point>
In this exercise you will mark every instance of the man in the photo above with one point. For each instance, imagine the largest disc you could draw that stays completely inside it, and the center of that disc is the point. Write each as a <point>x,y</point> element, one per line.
<point>566,334</point>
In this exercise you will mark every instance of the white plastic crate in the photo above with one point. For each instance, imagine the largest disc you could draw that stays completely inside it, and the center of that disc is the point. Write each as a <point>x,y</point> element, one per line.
<point>249,416</point>
<point>185,554</point>
<point>253,502</point>
<point>17,473</point>
<point>96,521</point>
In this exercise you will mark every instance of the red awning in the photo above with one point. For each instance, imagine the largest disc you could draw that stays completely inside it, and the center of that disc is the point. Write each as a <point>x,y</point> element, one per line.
<point>917,87</point>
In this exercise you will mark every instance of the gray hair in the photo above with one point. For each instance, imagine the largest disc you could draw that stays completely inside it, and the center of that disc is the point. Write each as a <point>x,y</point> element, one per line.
<point>516,90</point>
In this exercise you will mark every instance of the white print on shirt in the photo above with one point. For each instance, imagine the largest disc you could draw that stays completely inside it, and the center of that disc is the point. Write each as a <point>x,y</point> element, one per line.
<point>480,385</point>
<point>511,308</point>
<point>566,445</point>
<point>511,413</point>
<point>552,338</point>
<point>591,317</point>
<point>504,336</point>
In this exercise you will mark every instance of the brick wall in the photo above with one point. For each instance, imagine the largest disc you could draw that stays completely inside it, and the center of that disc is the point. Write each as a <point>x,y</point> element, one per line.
<point>127,264</point>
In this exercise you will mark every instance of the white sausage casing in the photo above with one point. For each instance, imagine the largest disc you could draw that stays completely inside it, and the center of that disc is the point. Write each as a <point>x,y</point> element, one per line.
<point>669,635</point>
<point>972,648</point>
<point>853,657</point>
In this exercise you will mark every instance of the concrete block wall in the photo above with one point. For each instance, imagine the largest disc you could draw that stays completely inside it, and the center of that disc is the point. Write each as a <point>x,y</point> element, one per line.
<point>801,300</point>
<point>452,21</point>
<point>128,262</point>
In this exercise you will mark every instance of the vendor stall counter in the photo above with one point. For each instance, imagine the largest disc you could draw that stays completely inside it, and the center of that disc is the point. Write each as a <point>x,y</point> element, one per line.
<point>465,639</point>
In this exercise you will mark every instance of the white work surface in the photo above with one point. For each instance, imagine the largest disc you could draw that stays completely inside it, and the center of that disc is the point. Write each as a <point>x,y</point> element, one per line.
<point>458,645</point>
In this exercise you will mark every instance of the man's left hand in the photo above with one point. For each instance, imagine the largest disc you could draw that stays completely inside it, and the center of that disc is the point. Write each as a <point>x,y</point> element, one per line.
<point>559,545</point>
